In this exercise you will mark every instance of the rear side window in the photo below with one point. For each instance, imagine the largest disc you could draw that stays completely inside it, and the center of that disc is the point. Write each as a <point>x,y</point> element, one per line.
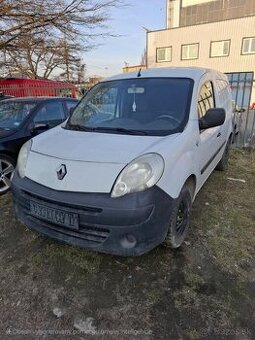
<point>51,113</point>
<point>206,99</point>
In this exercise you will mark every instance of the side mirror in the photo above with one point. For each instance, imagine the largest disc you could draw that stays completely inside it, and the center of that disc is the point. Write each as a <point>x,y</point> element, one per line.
<point>38,128</point>
<point>212,118</point>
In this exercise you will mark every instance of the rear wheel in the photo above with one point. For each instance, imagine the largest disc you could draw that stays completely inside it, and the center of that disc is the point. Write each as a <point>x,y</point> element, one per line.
<point>179,220</point>
<point>7,167</point>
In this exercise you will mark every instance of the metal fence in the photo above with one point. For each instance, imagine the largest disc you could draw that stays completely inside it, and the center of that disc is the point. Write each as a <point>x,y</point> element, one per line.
<point>244,115</point>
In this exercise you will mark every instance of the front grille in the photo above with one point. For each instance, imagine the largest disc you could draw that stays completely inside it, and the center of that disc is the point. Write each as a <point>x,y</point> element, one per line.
<point>91,210</point>
<point>89,233</point>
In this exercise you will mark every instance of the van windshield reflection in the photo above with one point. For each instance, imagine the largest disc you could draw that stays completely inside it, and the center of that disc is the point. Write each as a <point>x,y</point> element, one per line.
<point>152,106</point>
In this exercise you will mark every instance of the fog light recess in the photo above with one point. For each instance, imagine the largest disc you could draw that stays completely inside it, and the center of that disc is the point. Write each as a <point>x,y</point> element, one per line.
<point>128,241</point>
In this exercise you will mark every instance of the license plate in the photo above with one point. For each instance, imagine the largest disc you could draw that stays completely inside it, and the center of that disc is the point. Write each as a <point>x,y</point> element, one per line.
<point>64,218</point>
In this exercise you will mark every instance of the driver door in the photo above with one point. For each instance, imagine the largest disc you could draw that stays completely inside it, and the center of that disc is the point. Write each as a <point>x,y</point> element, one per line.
<point>210,140</point>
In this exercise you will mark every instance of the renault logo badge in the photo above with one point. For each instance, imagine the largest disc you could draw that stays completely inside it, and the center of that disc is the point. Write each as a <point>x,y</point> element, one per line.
<point>61,171</point>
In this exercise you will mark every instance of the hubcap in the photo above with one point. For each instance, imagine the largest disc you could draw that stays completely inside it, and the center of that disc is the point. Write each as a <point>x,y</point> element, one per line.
<point>181,220</point>
<point>6,173</point>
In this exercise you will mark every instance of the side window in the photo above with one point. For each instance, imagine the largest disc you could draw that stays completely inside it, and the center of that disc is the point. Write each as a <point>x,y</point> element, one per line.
<point>206,99</point>
<point>224,93</point>
<point>51,113</point>
<point>220,48</point>
<point>70,104</point>
<point>164,54</point>
<point>248,46</point>
<point>189,51</point>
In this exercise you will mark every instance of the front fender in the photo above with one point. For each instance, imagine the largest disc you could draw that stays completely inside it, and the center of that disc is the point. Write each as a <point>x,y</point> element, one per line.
<point>176,175</point>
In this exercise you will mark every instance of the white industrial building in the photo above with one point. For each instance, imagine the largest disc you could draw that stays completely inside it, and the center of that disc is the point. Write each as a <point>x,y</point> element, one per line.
<point>217,34</point>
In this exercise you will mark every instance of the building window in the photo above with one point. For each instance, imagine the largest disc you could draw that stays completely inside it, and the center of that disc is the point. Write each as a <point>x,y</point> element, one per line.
<point>206,99</point>
<point>220,48</point>
<point>248,46</point>
<point>190,51</point>
<point>164,54</point>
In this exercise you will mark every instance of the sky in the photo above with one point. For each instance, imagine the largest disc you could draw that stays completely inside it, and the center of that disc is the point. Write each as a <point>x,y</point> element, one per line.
<point>108,58</point>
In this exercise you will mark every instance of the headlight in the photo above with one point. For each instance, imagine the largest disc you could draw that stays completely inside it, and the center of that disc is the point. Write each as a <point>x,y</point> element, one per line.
<point>22,159</point>
<point>142,173</point>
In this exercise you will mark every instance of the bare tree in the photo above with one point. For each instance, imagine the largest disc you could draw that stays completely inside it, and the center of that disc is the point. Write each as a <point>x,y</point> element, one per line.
<point>72,65</point>
<point>38,36</point>
<point>37,58</point>
<point>81,69</point>
<point>71,18</point>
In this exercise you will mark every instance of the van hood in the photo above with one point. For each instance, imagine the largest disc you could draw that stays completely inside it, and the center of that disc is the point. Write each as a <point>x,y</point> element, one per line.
<point>91,161</point>
<point>92,146</point>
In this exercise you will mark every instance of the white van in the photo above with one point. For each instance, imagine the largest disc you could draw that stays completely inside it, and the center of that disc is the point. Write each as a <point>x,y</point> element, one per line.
<point>119,176</point>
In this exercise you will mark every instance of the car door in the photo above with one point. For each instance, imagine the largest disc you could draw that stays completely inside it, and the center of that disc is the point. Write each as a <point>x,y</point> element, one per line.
<point>210,140</point>
<point>49,115</point>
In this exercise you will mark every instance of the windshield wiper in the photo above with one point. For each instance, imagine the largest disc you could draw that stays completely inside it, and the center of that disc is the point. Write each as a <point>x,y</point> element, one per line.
<point>78,127</point>
<point>121,130</point>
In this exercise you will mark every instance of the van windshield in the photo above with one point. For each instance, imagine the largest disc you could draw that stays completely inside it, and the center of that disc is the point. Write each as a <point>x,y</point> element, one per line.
<point>148,106</point>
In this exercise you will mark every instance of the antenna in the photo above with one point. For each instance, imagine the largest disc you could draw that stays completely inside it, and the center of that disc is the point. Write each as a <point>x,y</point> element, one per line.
<point>139,73</point>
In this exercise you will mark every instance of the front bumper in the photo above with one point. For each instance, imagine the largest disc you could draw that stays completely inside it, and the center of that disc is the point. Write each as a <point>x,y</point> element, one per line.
<point>130,225</point>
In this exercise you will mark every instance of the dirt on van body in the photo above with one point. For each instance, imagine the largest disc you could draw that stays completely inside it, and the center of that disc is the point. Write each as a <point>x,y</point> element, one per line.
<point>204,290</point>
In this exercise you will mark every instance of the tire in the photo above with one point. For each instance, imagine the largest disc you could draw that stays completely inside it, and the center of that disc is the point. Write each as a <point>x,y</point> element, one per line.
<point>223,163</point>
<point>7,167</point>
<point>180,220</point>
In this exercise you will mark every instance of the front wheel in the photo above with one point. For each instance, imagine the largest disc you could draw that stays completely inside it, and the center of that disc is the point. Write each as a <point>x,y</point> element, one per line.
<point>223,163</point>
<point>180,219</point>
<point>7,167</point>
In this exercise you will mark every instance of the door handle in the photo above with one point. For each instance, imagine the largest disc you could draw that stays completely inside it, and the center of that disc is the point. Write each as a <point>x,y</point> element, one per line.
<point>219,134</point>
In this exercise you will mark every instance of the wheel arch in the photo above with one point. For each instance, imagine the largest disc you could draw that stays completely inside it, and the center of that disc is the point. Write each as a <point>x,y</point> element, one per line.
<point>8,154</point>
<point>191,183</point>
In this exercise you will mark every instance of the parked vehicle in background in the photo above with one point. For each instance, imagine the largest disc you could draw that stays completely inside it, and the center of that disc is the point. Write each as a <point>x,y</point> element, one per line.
<point>120,175</point>
<point>19,87</point>
<point>21,119</point>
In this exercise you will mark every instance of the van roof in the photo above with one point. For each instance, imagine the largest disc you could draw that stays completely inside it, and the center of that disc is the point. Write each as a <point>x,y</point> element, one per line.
<point>168,72</point>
